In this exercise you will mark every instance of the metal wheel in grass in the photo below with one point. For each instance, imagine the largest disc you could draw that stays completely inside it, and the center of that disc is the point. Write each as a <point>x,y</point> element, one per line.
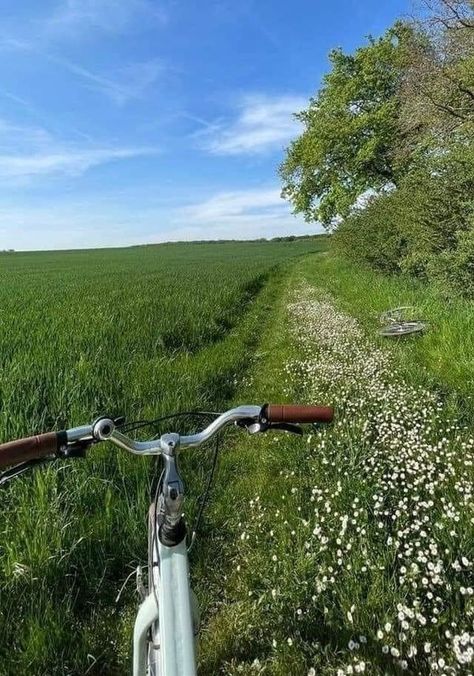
<point>403,328</point>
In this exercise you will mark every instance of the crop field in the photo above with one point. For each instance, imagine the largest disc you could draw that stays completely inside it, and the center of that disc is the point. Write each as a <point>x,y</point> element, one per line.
<point>348,551</point>
<point>141,331</point>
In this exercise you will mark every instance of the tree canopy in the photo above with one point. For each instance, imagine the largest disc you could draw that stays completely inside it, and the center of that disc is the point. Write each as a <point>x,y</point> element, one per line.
<point>386,156</point>
<point>350,130</point>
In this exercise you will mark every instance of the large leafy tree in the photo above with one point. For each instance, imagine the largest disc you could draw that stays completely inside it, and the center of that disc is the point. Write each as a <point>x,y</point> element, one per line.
<point>350,131</point>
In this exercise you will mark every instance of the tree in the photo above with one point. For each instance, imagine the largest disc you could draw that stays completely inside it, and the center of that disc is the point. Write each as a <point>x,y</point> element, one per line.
<point>350,131</point>
<point>438,86</point>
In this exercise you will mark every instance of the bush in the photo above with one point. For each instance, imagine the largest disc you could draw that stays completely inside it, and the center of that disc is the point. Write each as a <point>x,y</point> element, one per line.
<point>423,228</point>
<point>454,270</point>
<point>373,236</point>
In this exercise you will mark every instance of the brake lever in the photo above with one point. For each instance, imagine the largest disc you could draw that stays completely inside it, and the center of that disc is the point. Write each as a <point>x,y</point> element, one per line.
<point>76,449</point>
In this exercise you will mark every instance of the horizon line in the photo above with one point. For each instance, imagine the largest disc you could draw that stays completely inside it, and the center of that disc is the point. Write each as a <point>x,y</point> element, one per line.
<point>165,242</point>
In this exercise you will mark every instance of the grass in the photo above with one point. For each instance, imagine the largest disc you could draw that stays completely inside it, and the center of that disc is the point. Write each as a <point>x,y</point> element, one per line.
<point>443,358</point>
<point>350,551</point>
<point>142,331</point>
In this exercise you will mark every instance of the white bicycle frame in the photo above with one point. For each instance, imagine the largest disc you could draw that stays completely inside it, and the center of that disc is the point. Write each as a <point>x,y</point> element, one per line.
<point>170,622</point>
<point>167,619</point>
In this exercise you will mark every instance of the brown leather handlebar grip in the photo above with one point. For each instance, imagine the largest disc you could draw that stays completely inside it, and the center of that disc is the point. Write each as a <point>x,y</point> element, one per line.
<point>30,448</point>
<point>289,413</point>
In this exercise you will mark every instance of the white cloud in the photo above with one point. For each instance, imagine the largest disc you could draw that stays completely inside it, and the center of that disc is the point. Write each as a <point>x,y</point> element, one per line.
<point>27,152</point>
<point>263,123</point>
<point>69,162</point>
<point>127,82</point>
<point>241,214</point>
<point>228,205</point>
<point>76,18</point>
<point>19,137</point>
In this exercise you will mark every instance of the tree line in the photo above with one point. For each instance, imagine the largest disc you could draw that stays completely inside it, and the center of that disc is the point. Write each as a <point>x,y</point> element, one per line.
<point>386,157</point>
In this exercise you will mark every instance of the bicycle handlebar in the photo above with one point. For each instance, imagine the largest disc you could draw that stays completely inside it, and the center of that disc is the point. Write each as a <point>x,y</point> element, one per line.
<point>288,413</point>
<point>57,443</point>
<point>30,448</point>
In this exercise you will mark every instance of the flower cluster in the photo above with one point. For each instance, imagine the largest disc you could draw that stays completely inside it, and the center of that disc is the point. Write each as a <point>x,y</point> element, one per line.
<point>376,528</point>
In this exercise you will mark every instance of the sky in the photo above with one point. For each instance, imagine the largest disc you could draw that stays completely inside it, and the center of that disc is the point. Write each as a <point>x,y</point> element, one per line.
<point>138,121</point>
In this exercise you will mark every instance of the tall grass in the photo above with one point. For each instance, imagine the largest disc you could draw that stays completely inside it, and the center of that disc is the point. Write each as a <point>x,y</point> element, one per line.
<point>140,331</point>
<point>351,551</point>
<point>443,357</point>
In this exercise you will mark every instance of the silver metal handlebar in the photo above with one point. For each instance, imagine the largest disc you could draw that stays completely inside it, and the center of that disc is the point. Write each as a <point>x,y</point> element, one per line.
<point>105,429</point>
<point>231,416</point>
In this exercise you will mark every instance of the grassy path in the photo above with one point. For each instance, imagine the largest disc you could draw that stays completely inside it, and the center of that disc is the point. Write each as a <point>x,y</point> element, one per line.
<point>353,552</point>
<point>443,359</point>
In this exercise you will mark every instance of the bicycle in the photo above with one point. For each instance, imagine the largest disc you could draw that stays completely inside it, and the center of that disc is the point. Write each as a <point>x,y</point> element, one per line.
<point>167,622</point>
<point>396,323</point>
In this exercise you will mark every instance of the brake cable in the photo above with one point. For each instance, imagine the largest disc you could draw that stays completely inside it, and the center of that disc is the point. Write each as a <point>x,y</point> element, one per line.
<point>18,470</point>
<point>138,424</point>
<point>204,497</point>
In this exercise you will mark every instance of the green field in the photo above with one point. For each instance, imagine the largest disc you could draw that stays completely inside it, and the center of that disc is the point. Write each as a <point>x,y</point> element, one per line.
<point>350,551</point>
<point>142,331</point>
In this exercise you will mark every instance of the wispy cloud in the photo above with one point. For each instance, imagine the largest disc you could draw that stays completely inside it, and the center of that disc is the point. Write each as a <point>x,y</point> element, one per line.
<point>125,83</point>
<point>130,82</point>
<point>16,99</point>
<point>38,38</point>
<point>239,214</point>
<point>70,162</point>
<point>17,138</point>
<point>77,18</point>
<point>28,152</point>
<point>262,124</point>
<point>229,205</point>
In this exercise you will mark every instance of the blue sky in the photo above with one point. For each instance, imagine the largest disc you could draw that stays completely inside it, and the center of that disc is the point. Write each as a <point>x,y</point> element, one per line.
<point>132,121</point>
